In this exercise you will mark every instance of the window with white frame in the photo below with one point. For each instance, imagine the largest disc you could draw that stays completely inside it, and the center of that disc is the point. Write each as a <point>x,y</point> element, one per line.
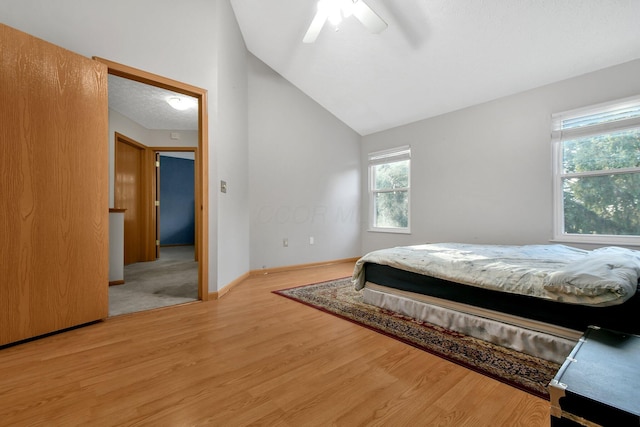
<point>389,190</point>
<point>596,157</point>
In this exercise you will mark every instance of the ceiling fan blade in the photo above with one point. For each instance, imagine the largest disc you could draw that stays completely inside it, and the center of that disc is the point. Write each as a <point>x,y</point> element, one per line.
<point>315,27</point>
<point>368,17</point>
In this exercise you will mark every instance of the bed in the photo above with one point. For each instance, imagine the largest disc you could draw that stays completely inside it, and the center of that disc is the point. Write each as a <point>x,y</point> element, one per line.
<point>538,299</point>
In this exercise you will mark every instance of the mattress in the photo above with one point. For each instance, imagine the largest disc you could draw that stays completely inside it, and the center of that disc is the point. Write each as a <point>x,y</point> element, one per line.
<point>601,277</point>
<point>621,317</point>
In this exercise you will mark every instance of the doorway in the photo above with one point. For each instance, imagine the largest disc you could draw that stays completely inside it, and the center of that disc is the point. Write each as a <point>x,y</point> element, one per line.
<point>200,204</point>
<point>171,278</point>
<point>175,188</point>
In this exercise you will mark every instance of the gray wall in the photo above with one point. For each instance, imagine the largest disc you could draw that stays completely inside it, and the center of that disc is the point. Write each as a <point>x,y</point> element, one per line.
<point>207,52</point>
<point>304,176</point>
<point>483,174</point>
<point>230,105</point>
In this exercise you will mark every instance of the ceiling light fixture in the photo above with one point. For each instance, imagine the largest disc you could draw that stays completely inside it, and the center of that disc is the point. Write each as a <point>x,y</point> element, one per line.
<point>180,103</point>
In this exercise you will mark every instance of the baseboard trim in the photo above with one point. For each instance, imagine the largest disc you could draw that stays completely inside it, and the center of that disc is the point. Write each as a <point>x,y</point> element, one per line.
<point>219,294</point>
<point>116,282</point>
<point>300,266</point>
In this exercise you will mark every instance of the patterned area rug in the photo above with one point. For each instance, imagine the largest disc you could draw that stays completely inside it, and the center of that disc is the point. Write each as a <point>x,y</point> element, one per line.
<point>339,297</point>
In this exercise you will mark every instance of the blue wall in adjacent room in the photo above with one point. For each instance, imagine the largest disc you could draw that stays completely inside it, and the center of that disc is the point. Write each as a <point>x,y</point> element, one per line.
<point>177,212</point>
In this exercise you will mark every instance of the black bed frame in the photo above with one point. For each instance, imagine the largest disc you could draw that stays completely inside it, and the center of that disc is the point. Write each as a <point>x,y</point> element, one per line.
<point>623,317</point>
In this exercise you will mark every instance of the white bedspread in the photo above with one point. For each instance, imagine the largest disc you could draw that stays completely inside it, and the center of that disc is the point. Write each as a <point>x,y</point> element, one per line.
<point>602,277</point>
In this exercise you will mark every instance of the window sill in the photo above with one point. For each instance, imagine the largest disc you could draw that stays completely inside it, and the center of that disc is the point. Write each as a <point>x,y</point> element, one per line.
<point>390,230</point>
<point>598,240</point>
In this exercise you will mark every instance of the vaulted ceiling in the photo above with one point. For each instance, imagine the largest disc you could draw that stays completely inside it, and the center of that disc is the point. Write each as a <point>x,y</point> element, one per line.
<point>437,56</point>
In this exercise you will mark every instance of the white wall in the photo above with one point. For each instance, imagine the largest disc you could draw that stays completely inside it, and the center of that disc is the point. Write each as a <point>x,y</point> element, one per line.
<point>231,126</point>
<point>483,174</point>
<point>304,176</point>
<point>162,138</point>
<point>179,40</point>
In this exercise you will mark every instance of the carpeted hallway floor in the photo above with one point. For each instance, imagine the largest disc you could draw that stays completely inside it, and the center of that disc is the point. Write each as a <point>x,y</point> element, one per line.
<point>170,280</point>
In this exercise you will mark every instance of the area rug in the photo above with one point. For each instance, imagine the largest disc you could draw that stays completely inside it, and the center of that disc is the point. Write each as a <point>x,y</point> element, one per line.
<point>339,297</point>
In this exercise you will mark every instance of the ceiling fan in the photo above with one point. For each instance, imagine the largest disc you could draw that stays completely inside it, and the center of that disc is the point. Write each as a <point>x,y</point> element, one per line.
<point>335,10</point>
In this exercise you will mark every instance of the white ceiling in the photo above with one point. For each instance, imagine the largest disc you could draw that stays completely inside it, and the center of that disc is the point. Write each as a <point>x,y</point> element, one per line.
<point>147,105</point>
<point>437,56</point>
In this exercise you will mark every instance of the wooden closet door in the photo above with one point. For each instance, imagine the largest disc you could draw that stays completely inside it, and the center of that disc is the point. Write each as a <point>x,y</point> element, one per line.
<point>53,188</point>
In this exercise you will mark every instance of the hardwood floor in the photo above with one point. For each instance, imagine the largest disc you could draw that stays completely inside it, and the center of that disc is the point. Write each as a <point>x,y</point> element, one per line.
<point>251,357</point>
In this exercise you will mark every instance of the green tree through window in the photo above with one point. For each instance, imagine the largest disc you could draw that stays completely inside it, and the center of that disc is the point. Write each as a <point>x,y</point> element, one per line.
<point>389,195</point>
<point>599,171</point>
<point>607,203</point>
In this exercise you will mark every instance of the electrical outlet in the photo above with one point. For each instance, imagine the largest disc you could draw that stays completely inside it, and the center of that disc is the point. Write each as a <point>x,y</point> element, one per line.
<point>311,240</point>
<point>285,243</point>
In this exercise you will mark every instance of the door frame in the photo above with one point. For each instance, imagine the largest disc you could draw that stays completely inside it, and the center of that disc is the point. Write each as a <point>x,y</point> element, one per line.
<point>202,172</point>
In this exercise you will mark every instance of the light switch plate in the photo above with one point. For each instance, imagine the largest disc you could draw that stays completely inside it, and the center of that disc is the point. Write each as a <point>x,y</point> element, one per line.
<point>223,186</point>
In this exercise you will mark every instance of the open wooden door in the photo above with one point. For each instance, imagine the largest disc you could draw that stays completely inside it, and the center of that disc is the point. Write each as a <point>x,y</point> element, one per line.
<point>132,192</point>
<point>54,188</point>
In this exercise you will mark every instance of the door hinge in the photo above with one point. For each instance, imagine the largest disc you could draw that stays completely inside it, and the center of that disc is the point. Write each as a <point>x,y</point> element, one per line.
<point>157,163</point>
<point>157,242</point>
<point>157,203</point>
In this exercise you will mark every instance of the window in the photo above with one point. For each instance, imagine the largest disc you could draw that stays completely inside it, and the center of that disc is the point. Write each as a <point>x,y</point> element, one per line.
<point>389,183</point>
<point>597,173</point>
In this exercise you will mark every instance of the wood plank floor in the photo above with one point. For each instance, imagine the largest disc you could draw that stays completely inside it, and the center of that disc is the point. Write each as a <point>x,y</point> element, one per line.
<point>250,358</point>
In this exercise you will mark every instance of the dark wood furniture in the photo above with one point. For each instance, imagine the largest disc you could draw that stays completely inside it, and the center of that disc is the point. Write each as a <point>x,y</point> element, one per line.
<point>599,383</point>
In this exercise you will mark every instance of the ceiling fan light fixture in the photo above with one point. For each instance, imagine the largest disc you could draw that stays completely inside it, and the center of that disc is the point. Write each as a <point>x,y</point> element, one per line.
<point>332,9</point>
<point>335,10</point>
<point>335,18</point>
<point>347,8</point>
